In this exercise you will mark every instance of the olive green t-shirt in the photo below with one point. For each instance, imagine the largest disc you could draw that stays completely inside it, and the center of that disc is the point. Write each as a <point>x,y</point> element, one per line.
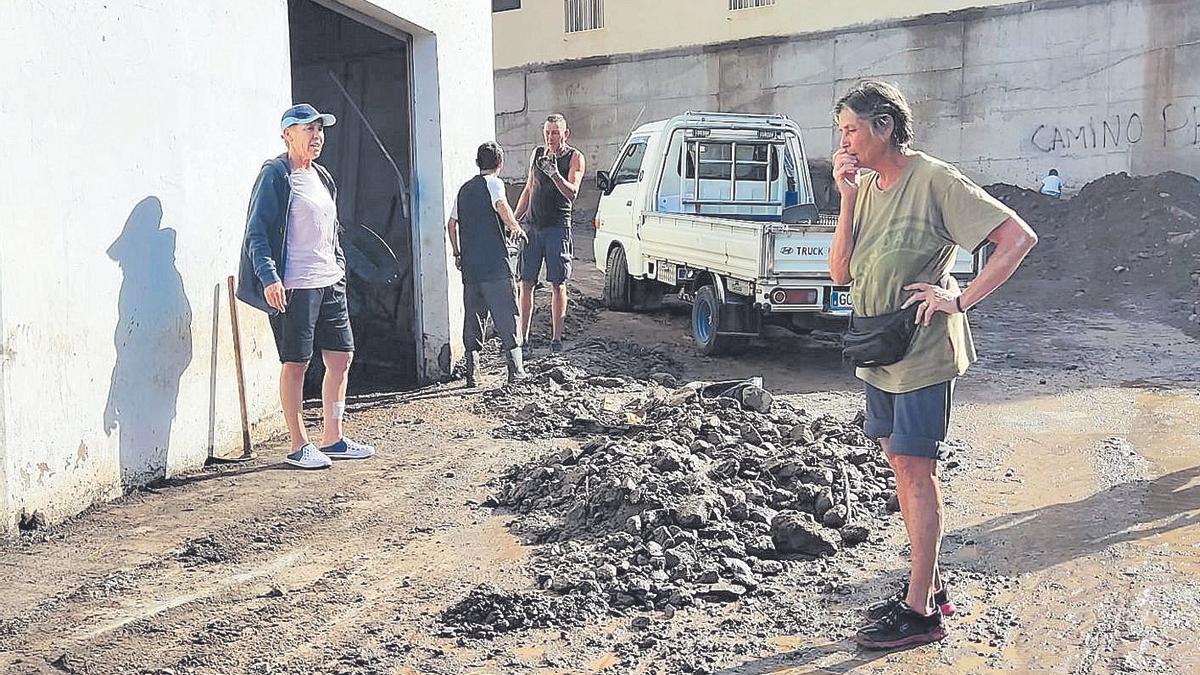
<point>910,233</point>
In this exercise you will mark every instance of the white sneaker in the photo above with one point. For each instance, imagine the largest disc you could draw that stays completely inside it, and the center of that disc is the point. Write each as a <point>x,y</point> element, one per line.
<point>348,449</point>
<point>308,457</point>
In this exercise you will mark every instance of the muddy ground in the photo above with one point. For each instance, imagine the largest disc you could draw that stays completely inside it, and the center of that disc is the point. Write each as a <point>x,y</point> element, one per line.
<point>1072,539</point>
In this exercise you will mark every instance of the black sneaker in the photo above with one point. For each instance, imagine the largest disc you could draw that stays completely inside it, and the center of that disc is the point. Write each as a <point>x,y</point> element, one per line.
<point>876,611</point>
<point>902,627</point>
<point>556,346</point>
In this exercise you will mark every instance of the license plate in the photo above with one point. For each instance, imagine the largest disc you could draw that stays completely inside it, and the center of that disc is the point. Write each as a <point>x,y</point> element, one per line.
<point>839,300</point>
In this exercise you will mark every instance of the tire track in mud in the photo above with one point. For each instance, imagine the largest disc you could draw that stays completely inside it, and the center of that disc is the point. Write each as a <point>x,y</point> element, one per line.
<point>207,603</point>
<point>1101,639</point>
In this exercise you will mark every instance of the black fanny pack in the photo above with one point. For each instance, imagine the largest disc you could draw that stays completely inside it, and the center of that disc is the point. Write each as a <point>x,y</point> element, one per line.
<point>879,340</point>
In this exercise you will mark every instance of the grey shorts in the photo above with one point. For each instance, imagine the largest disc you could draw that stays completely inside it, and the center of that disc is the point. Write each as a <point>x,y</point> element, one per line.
<point>915,422</point>
<point>317,316</point>
<point>549,244</point>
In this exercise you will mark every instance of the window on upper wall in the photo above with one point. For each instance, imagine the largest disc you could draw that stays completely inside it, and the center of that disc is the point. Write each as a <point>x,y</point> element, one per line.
<point>749,4</point>
<point>505,5</point>
<point>584,15</point>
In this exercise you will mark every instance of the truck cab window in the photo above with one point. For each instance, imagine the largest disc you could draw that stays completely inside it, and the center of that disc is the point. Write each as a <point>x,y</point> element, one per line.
<point>630,167</point>
<point>753,162</point>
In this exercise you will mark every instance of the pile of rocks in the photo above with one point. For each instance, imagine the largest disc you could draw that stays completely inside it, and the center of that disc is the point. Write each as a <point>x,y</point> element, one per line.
<point>628,358</point>
<point>560,399</point>
<point>487,611</point>
<point>686,495</point>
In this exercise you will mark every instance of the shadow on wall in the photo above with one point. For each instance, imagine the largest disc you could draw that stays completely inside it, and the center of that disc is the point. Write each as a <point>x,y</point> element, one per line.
<point>153,338</point>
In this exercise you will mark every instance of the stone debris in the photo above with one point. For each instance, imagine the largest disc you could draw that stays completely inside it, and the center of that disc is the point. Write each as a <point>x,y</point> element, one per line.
<point>678,496</point>
<point>488,611</point>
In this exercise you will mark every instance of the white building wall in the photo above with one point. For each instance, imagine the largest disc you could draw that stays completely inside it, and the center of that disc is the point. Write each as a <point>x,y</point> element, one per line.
<point>135,131</point>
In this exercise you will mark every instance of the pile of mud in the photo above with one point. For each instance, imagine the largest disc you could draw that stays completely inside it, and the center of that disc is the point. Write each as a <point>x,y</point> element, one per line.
<point>700,493</point>
<point>1121,243</point>
<point>488,611</point>
<point>625,358</point>
<point>562,399</point>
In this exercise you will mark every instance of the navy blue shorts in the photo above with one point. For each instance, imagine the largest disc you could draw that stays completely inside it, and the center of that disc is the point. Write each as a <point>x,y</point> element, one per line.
<point>314,315</point>
<point>916,422</point>
<point>551,245</point>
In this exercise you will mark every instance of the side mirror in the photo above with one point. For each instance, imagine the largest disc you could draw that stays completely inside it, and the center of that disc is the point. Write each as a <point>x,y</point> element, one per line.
<point>800,213</point>
<point>603,182</point>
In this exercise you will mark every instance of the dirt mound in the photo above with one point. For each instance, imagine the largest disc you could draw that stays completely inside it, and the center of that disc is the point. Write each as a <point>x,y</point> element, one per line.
<point>487,611</point>
<point>582,312</point>
<point>682,497</point>
<point>627,358</point>
<point>1122,243</point>
<point>562,398</point>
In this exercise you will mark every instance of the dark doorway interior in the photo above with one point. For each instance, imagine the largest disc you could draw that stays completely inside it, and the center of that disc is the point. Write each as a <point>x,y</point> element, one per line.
<point>328,48</point>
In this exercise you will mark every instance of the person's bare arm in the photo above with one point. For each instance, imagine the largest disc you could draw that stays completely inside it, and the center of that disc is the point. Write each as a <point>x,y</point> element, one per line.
<point>844,172</point>
<point>526,193</point>
<point>569,186</point>
<point>452,229</point>
<point>1013,239</point>
<point>509,220</point>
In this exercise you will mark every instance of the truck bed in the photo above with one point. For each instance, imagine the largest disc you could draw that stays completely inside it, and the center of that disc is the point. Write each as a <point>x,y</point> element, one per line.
<point>742,249</point>
<point>746,249</point>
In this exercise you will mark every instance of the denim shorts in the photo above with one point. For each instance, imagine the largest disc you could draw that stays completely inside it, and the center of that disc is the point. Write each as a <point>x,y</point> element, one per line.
<point>916,421</point>
<point>314,315</point>
<point>549,244</point>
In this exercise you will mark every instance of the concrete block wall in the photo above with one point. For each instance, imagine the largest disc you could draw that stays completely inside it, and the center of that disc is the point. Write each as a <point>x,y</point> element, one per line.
<point>1086,86</point>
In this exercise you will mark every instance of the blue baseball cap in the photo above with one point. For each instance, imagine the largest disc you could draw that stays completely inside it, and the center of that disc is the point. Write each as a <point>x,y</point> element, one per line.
<point>303,113</point>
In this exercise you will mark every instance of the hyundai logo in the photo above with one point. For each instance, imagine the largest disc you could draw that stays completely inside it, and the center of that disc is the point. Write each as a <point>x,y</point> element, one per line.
<point>786,250</point>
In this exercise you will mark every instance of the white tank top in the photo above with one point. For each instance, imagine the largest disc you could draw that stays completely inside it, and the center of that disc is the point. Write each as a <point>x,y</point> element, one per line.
<point>311,229</point>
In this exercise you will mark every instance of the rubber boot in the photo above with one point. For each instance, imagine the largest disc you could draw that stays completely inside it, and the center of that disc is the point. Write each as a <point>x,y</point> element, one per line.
<point>472,369</point>
<point>516,365</point>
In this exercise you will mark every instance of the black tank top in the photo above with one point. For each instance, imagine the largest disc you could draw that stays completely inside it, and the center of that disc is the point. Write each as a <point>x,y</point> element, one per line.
<point>550,207</point>
<point>484,254</point>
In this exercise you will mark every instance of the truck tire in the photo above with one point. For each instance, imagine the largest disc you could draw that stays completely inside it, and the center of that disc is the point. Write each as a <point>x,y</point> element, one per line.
<point>706,309</point>
<point>617,282</point>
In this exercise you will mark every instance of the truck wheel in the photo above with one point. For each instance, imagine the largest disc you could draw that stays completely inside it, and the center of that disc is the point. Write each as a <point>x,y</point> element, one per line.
<point>706,310</point>
<point>617,282</point>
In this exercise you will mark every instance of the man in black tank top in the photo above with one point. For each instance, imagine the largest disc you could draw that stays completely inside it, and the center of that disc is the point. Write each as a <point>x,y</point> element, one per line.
<point>480,226</point>
<point>555,173</point>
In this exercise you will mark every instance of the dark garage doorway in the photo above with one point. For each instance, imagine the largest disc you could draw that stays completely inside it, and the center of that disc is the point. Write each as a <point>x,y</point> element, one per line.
<point>330,52</point>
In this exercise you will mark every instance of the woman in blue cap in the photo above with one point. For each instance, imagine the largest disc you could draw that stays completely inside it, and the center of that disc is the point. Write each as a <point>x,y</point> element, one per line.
<point>293,268</point>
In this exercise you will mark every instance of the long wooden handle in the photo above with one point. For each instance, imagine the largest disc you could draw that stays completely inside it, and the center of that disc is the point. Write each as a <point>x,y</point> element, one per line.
<point>237,359</point>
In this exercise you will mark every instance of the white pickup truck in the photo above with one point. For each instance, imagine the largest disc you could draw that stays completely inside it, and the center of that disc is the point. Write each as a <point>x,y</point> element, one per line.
<point>719,208</point>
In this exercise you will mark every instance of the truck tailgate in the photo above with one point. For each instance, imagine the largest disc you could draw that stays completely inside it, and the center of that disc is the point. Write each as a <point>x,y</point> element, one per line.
<point>805,252</point>
<point>799,252</point>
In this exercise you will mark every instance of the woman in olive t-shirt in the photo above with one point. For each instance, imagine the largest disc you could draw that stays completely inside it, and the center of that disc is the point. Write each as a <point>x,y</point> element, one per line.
<point>903,217</point>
